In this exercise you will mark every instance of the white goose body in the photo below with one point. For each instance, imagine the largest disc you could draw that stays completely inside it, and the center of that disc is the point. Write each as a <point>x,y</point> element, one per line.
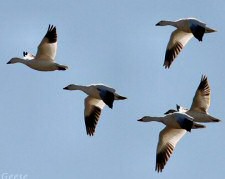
<point>99,95</point>
<point>170,120</point>
<point>185,24</point>
<point>177,124</point>
<point>40,65</point>
<point>186,29</point>
<point>45,57</point>
<point>89,90</point>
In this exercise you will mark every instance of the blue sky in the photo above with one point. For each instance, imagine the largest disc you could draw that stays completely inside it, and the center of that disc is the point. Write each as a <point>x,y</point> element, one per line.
<point>115,42</point>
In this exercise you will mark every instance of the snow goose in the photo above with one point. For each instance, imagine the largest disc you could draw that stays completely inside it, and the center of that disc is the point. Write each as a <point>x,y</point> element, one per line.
<point>186,28</point>
<point>99,95</point>
<point>176,126</point>
<point>45,57</point>
<point>200,103</point>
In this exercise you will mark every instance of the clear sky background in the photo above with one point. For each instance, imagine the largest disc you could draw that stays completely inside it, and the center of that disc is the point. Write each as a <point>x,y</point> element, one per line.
<point>115,42</point>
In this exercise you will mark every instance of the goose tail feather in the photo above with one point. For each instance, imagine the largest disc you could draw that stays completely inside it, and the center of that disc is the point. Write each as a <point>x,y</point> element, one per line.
<point>118,97</point>
<point>197,126</point>
<point>209,30</point>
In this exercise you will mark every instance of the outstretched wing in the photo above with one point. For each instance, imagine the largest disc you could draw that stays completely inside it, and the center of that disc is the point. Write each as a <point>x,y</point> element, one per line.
<point>48,46</point>
<point>168,138</point>
<point>177,42</point>
<point>92,112</point>
<point>201,100</point>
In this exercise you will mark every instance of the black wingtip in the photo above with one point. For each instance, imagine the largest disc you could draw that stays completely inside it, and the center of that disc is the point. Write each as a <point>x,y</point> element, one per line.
<point>90,133</point>
<point>92,120</point>
<point>204,77</point>
<point>163,157</point>
<point>204,84</point>
<point>166,67</point>
<point>51,34</point>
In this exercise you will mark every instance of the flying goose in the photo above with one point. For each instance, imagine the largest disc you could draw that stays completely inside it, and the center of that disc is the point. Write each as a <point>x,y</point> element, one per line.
<point>200,104</point>
<point>45,57</point>
<point>99,95</point>
<point>177,124</point>
<point>186,29</point>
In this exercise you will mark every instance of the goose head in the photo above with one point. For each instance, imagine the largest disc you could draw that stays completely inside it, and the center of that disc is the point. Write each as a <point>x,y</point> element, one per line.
<point>162,23</point>
<point>71,87</point>
<point>14,60</point>
<point>145,119</point>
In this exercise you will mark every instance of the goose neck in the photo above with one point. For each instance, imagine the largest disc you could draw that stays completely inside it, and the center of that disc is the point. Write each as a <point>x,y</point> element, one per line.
<point>150,119</point>
<point>19,60</point>
<point>172,23</point>
<point>79,87</point>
